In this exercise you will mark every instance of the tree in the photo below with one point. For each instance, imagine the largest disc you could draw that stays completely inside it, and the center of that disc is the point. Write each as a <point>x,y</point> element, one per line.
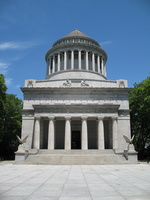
<point>3,89</point>
<point>139,99</point>
<point>11,126</point>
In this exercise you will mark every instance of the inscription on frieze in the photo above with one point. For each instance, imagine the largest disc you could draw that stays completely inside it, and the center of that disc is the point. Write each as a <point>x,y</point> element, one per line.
<point>77,109</point>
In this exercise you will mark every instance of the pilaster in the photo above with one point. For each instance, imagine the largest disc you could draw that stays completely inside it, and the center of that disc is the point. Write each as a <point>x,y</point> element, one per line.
<point>115,132</point>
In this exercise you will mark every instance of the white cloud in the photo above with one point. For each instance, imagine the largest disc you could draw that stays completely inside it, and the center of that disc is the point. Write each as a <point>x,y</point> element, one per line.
<point>4,68</point>
<point>18,45</point>
<point>8,81</point>
<point>106,42</point>
<point>18,86</point>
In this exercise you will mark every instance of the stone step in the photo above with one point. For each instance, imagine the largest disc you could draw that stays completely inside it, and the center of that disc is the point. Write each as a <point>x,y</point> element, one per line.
<point>74,159</point>
<point>77,152</point>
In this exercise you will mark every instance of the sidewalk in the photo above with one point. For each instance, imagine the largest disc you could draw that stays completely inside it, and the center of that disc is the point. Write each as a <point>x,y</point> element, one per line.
<point>76,182</point>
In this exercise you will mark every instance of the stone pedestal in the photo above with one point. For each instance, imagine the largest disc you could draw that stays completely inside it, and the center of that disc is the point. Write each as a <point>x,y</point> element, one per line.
<point>21,154</point>
<point>130,154</point>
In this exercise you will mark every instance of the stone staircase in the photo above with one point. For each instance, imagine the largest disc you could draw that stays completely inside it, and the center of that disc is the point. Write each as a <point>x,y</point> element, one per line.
<point>75,157</point>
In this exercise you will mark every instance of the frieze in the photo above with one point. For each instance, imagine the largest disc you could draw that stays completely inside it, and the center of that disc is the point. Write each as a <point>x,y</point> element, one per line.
<point>74,95</point>
<point>76,109</point>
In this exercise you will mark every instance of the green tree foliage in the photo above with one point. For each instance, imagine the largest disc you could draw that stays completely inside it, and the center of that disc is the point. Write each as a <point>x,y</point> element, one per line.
<point>11,125</point>
<point>139,99</point>
<point>3,89</point>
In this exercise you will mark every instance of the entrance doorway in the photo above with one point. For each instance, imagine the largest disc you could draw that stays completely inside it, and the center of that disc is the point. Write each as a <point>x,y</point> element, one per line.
<point>76,140</point>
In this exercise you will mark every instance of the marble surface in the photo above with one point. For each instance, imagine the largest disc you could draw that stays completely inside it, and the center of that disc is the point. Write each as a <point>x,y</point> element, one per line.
<point>74,182</point>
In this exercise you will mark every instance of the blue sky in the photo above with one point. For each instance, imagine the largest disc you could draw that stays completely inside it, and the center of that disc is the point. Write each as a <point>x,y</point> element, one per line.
<point>28,28</point>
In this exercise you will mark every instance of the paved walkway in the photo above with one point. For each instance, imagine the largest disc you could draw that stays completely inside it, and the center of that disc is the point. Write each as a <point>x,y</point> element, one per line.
<point>76,182</point>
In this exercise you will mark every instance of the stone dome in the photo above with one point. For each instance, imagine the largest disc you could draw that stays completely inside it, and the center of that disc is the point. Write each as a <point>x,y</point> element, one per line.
<point>76,33</point>
<point>76,55</point>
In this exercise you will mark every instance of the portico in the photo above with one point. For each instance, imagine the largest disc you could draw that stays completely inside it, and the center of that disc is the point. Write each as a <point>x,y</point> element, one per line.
<point>60,132</point>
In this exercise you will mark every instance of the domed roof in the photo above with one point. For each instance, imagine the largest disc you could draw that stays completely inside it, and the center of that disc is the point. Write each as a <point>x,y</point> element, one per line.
<point>76,53</point>
<point>76,33</point>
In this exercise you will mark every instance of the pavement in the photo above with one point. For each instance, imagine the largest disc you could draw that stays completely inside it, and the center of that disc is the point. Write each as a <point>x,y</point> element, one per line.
<point>74,182</point>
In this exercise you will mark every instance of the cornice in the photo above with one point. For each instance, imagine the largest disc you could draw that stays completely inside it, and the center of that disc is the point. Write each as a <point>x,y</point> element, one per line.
<point>75,89</point>
<point>76,37</point>
<point>75,106</point>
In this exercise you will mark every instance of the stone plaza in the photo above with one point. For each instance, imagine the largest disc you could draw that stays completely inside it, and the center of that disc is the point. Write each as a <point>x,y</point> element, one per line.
<point>74,182</point>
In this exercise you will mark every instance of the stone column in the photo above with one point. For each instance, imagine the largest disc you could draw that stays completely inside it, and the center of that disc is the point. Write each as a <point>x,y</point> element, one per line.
<point>72,59</point>
<point>98,64</point>
<point>79,59</point>
<point>47,71</point>
<point>68,133</point>
<point>51,133</point>
<point>87,60</point>
<point>102,65</point>
<point>53,63</point>
<point>115,132</point>
<point>59,61</point>
<point>84,131</point>
<point>100,133</point>
<point>105,74</point>
<point>36,141</point>
<point>65,60</point>
<point>49,66</point>
<point>93,62</point>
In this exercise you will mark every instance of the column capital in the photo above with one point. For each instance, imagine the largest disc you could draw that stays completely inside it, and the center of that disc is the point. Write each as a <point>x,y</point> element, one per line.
<point>68,117</point>
<point>37,117</point>
<point>84,117</point>
<point>100,117</point>
<point>51,117</point>
<point>114,118</point>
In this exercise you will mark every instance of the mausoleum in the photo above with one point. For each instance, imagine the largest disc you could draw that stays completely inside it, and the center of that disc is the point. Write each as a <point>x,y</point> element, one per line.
<point>76,107</point>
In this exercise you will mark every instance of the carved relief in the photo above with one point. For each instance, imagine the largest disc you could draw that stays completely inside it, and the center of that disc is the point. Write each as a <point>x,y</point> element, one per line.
<point>83,83</point>
<point>67,83</point>
<point>30,83</point>
<point>121,84</point>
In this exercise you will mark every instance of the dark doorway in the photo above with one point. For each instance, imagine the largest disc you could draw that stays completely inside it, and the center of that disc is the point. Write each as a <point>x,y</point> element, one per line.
<point>76,140</point>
